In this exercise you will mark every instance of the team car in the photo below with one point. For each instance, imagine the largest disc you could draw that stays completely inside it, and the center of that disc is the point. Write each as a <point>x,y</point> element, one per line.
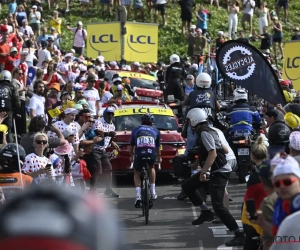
<point>128,116</point>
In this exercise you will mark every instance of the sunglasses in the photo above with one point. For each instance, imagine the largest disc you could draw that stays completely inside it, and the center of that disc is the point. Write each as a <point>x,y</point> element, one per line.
<point>87,116</point>
<point>190,79</point>
<point>285,182</point>
<point>20,73</point>
<point>41,142</point>
<point>92,121</point>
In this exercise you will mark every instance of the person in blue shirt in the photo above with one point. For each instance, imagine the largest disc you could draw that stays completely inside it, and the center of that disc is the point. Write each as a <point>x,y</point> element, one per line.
<point>145,143</point>
<point>202,20</point>
<point>190,84</point>
<point>242,115</point>
<point>12,7</point>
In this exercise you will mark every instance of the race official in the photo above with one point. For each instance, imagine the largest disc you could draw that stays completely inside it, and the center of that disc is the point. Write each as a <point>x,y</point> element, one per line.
<point>211,156</point>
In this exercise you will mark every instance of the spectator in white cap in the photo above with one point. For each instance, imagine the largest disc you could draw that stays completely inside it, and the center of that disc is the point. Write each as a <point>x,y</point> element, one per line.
<point>135,67</point>
<point>80,35</point>
<point>113,65</point>
<point>34,19</point>
<point>26,30</point>
<point>65,66</point>
<point>233,10</point>
<point>220,39</point>
<point>199,43</point>
<point>286,180</point>
<point>295,145</point>
<point>67,123</point>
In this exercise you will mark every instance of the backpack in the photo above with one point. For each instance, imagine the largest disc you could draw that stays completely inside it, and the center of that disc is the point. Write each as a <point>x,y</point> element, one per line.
<point>6,97</point>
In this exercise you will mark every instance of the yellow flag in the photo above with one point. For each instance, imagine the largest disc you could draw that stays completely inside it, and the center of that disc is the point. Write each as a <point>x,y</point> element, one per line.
<point>69,104</point>
<point>54,112</point>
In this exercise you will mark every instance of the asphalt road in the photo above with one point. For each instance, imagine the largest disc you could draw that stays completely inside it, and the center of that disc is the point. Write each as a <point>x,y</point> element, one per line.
<point>170,220</point>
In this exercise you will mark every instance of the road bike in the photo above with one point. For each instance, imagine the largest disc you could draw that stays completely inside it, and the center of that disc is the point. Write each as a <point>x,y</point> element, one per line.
<point>146,201</point>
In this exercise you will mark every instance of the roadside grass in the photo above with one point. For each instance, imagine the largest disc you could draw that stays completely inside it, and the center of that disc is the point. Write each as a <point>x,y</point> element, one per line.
<point>171,40</point>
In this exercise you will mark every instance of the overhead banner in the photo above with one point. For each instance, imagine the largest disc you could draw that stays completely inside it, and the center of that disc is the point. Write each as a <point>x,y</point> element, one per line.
<point>291,66</point>
<point>141,42</point>
<point>246,66</point>
<point>104,39</point>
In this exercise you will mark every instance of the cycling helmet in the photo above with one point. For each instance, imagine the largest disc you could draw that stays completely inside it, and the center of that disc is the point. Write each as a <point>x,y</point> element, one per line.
<point>148,118</point>
<point>174,58</point>
<point>240,94</point>
<point>42,218</point>
<point>196,116</point>
<point>5,76</point>
<point>203,80</point>
<point>279,133</point>
<point>9,156</point>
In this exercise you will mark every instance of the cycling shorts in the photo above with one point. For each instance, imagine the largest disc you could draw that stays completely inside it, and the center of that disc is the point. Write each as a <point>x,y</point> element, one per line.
<point>138,163</point>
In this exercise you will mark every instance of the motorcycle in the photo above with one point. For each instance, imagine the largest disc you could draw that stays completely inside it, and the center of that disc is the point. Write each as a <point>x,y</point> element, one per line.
<point>242,141</point>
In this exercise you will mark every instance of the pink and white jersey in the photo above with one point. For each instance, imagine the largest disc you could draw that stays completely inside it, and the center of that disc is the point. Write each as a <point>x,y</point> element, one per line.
<point>102,125</point>
<point>62,126</point>
<point>34,163</point>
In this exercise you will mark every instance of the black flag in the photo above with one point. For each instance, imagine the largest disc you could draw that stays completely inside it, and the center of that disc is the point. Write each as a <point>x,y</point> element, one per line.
<point>246,66</point>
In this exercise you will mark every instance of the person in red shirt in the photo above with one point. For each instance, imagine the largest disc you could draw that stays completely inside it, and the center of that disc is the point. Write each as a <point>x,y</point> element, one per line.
<point>16,43</point>
<point>10,59</point>
<point>4,49</point>
<point>24,67</point>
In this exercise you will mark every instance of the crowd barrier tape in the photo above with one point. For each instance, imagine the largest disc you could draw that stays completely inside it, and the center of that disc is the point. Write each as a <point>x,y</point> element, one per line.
<point>104,39</point>
<point>291,66</point>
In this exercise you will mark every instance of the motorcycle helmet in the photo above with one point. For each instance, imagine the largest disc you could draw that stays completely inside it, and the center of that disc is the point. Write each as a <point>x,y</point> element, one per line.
<point>148,119</point>
<point>9,157</point>
<point>174,58</point>
<point>240,94</point>
<point>43,218</point>
<point>196,116</point>
<point>203,80</point>
<point>5,76</point>
<point>279,133</point>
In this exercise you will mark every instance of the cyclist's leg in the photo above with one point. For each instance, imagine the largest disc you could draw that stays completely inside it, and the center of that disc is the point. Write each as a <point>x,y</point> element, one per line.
<point>137,166</point>
<point>152,178</point>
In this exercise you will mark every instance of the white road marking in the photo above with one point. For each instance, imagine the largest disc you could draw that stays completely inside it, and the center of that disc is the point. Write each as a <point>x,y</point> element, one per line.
<point>195,213</point>
<point>201,245</point>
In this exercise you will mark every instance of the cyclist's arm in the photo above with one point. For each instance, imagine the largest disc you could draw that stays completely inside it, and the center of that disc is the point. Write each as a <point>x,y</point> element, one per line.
<point>132,144</point>
<point>218,106</point>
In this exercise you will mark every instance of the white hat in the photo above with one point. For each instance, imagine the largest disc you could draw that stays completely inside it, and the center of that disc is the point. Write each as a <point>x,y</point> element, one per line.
<point>24,52</point>
<point>34,7</point>
<point>101,59</point>
<point>68,55</point>
<point>79,23</point>
<point>220,33</point>
<point>73,51</point>
<point>82,68</point>
<point>120,87</point>
<point>295,140</point>
<point>137,64</point>
<point>24,20</point>
<point>71,111</point>
<point>286,165</point>
<point>113,63</point>
<point>193,26</point>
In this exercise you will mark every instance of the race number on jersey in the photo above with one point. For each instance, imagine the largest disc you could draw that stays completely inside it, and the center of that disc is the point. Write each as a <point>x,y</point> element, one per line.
<point>145,141</point>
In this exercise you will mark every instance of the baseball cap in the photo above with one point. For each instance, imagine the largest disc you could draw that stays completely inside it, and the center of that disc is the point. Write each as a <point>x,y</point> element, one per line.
<point>50,38</point>
<point>55,86</point>
<point>137,64</point>
<point>44,44</point>
<point>119,87</point>
<point>71,111</point>
<point>79,23</point>
<point>24,52</point>
<point>109,110</point>
<point>295,140</point>
<point>66,133</point>
<point>190,77</point>
<point>4,28</point>
<point>193,26</point>
<point>220,33</point>
<point>199,30</point>
<point>285,165</point>
<point>113,63</point>
<point>68,55</point>
<point>296,29</point>
<point>14,39</point>
<point>13,49</point>
<point>117,79</point>
<point>101,59</point>
<point>83,102</point>
<point>34,7</point>
<point>265,170</point>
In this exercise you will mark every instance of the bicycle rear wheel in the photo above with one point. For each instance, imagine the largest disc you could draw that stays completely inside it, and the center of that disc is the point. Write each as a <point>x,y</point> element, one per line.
<point>146,201</point>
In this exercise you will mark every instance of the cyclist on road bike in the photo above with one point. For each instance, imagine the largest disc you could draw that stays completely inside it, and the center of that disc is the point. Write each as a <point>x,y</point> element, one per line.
<point>242,115</point>
<point>145,143</point>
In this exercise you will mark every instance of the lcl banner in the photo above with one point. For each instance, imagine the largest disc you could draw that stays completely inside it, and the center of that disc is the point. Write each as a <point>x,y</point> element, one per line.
<point>246,66</point>
<point>141,42</point>
<point>104,39</point>
<point>291,66</point>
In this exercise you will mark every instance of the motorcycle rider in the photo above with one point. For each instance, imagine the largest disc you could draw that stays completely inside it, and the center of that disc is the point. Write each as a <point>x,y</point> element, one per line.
<point>241,114</point>
<point>211,156</point>
<point>9,101</point>
<point>9,172</point>
<point>174,77</point>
